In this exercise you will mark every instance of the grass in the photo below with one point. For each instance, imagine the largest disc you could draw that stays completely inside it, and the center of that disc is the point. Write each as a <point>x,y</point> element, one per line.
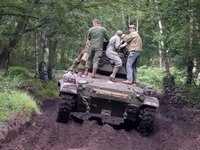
<point>16,103</point>
<point>42,89</point>
<point>152,76</point>
<point>14,97</point>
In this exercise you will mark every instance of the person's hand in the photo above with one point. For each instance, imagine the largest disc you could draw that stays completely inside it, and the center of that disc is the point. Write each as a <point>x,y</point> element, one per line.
<point>86,49</point>
<point>123,45</point>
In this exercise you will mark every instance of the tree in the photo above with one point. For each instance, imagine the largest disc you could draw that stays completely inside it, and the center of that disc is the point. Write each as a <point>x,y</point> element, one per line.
<point>16,35</point>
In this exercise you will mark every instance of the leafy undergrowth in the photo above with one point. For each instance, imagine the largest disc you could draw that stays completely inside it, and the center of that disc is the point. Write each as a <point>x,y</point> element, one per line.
<point>13,101</point>
<point>40,89</point>
<point>180,92</point>
<point>151,75</point>
<point>17,103</point>
<point>22,94</point>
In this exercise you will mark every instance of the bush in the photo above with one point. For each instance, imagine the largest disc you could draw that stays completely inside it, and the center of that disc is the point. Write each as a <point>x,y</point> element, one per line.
<point>18,71</point>
<point>16,103</point>
<point>9,84</point>
<point>42,89</point>
<point>152,76</point>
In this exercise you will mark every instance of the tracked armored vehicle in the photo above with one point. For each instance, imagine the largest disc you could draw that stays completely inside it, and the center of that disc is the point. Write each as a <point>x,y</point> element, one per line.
<point>98,98</point>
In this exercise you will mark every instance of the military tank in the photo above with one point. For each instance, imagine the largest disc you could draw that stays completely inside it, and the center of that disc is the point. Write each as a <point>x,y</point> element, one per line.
<point>99,98</point>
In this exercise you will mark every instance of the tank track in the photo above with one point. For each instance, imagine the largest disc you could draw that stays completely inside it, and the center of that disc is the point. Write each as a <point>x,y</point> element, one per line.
<point>145,126</point>
<point>67,104</point>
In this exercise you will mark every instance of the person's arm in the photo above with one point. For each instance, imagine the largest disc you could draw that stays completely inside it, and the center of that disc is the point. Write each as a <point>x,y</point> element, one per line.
<point>87,44</point>
<point>117,44</point>
<point>106,35</point>
<point>128,38</point>
<point>123,45</point>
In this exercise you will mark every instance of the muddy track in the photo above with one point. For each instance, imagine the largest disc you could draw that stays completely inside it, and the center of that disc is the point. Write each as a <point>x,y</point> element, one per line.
<point>173,129</point>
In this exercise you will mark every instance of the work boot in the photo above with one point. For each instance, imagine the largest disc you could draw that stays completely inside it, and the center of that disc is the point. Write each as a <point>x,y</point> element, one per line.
<point>112,79</point>
<point>86,71</point>
<point>115,70</point>
<point>94,71</point>
<point>70,69</point>
<point>127,82</point>
<point>73,66</point>
<point>112,76</point>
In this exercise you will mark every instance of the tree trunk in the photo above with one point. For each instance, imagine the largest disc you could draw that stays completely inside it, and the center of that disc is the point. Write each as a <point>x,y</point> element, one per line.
<point>52,58</point>
<point>36,57</point>
<point>190,65</point>
<point>52,52</point>
<point>163,49</point>
<point>189,71</point>
<point>5,49</point>
<point>62,56</point>
<point>44,67</point>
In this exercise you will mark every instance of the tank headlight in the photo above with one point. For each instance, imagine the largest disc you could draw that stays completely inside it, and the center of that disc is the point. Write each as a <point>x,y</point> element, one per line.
<point>140,96</point>
<point>80,87</point>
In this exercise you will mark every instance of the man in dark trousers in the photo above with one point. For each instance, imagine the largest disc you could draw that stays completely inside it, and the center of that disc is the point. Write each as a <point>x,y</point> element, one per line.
<point>134,42</point>
<point>96,35</point>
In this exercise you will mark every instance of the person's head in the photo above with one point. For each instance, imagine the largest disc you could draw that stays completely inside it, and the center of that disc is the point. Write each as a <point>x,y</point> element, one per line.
<point>132,28</point>
<point>119,33</point>
<point>95,22</point>
<point>123,36</point>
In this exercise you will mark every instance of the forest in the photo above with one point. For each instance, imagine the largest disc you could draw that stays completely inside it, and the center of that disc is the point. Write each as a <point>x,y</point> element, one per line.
<point>43,37</point>
<point>50,33</point>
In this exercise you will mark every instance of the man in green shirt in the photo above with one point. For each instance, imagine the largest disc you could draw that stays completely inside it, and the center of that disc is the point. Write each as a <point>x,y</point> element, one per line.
<point>96,35</point>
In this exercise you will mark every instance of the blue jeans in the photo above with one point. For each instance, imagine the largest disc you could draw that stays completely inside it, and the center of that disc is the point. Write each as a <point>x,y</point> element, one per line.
<point>131,64</point>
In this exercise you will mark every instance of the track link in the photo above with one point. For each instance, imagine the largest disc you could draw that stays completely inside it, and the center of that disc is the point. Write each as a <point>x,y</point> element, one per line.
<point>67,104</point>
<point>145,126</point>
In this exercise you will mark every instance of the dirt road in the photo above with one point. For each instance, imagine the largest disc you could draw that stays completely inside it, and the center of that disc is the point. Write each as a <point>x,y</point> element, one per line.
<point>175,129</point>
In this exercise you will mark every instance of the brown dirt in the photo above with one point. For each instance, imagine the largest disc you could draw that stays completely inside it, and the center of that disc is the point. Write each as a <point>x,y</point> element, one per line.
<point>175,129</point>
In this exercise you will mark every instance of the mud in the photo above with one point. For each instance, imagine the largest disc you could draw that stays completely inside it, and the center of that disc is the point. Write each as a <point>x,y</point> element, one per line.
<point>174,129</point>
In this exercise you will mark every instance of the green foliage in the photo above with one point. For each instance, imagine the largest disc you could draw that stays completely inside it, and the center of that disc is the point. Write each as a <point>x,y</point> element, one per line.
<point>42,89</point>
<point>59,74</point>
<point>18,71</point>
<point>16,103</point>
<point>179,75</point>
<point>48,93</point>
<point>9,84</point>
<point>152,76</point>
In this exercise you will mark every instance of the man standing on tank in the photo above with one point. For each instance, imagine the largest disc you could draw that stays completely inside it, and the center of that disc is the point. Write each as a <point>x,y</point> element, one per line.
<point>96,35</point>
<point>134,42</point>
<point>113,46</point>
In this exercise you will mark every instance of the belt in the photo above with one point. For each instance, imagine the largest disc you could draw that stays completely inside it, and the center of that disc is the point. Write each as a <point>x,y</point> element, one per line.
<point>135,51</point>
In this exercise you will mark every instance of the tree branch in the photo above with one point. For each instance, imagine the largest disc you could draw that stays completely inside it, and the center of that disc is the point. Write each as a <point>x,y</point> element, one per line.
<point>20,15</point>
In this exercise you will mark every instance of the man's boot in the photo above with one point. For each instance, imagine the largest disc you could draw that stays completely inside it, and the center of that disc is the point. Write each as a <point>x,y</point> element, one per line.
<point>86,71</point>
<point>115,70</point>
<point>74,65</point>
<point>94,71</point>
<point>112,76</point>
